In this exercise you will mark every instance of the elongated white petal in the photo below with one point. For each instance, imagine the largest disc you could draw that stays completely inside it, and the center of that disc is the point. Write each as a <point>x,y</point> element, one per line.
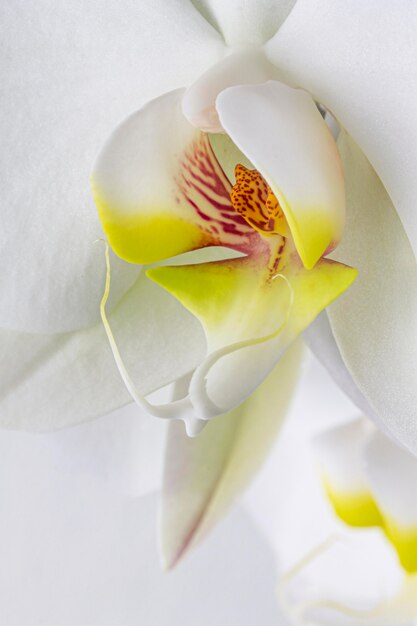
<point>283,134</point>
<point>358,59</point>
<point>245,22</point>
<point>70,72</point>
<point>375,323</point>
<point>58,380</point>
<point>160,190</point>
<point>243,67</point>
<point>203,476</point>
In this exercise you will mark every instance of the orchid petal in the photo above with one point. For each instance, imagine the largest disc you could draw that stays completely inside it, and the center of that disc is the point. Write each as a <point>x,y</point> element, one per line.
<point>160,190</point>
<point>69,74</point>
<point>392,475</point>
<point>283,134</point>
<point>375,324</point>
<point>243,67</point>
<point>320,339</point>
<point>340,452</point>
<point>245,22</point>
<point>370,481</point>
<point>58,380</point>
<point>249,316</point>
<point>359,61</point>
<point>203,476</point>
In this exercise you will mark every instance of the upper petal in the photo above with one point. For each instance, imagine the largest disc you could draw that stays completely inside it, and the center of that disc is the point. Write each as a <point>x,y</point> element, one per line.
<point>244,22</point>
<point>359,61</point>
<point>70,72</point>
<point>283,134</point>
<point>247,66</point>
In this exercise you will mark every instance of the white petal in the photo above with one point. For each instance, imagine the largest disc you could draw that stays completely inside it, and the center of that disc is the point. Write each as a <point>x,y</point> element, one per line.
<point>243,67</point>
<point>244,22</point>
<point>70,72</point>
<point>123,451</point>
<point>48,382</point>
<point>340,455</point>
<point>375,322</point>
<point>358,59</point>
<point>320,339</point>
<point>283,134</point>
<point>205,475</point>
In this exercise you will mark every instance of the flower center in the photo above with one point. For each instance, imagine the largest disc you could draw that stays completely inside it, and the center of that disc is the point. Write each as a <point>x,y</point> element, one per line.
<point>255,201</point>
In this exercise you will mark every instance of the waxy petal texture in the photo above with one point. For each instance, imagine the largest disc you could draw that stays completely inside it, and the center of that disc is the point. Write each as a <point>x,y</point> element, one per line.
<point>358,59</point>
<point>320,339</point>
<point>285,137</point>
<point>54,381</point>
<point>70,72</point>
<point>203,476</point>
<point>375,323</point>
<point>243,67</point>
<point>245,22</point>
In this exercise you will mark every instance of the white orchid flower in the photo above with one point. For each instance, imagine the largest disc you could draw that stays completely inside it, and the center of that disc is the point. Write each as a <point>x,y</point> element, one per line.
<point>255,70</point>
<point>370,482</point>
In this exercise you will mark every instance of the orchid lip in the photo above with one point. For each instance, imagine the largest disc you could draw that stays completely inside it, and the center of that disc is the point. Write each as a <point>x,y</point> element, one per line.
<point>251,308</point>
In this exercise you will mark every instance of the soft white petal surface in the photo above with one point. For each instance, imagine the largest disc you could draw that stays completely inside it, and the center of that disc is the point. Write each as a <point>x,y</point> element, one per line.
<point>375,322</point>
<point>283,134</point>
<point>320,339</point>
<point>48,382</point>
<point>70,72</point>
<point>204,476</point>
<point>247,66</point>
<point>358,59</point>
<point>244,22</point>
